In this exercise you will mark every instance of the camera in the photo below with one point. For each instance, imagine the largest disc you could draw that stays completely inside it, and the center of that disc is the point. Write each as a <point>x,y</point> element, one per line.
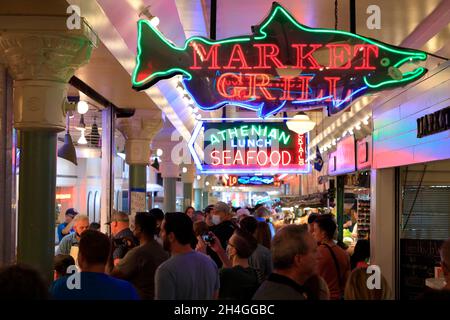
<point>208,238</point>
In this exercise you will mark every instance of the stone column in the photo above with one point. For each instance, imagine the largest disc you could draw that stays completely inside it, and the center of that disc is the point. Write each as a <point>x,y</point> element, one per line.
<point>198,193</point>
<point>188,180</point>
<point>170,174</point>
<point>41,55</point>
<point>170,165</point>
<point>138,133</point>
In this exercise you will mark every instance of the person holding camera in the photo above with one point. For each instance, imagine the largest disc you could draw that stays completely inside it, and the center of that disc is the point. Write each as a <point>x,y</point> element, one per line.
<point>140,263</point>
<point>123,238</point>
<point>238,280</point>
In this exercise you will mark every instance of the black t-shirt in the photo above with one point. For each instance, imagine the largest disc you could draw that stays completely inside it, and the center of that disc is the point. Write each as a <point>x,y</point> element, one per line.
<point>432,294</point>
<point>223,231</point>
<point>238,283</point>
<point>123,241</point>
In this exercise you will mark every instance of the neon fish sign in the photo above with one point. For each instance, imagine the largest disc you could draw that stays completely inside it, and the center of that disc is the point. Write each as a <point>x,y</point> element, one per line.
<point>281,62</point>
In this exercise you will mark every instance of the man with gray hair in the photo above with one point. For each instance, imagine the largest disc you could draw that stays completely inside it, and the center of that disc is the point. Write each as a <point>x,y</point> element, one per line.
<point>80,225</point>
<point>294,261</point>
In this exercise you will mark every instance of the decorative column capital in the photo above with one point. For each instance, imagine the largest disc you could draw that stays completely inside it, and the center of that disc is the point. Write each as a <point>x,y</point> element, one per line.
<point>42,61</point>
<point>138,134</point>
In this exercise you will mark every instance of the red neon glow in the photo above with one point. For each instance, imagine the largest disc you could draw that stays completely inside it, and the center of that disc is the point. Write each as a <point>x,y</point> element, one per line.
<point>261,158</point>
<point>264,55</point>
<point>332,81</point>
<point>200,51</point>
<point>340,56</point>
<point>301,149</point>
<point>313,64</point>
<point>366,50</point>
<point>263,82</point>
<point>237,55</point>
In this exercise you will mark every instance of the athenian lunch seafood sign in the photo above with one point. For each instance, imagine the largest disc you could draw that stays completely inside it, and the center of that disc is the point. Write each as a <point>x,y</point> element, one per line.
<point>281,62</point>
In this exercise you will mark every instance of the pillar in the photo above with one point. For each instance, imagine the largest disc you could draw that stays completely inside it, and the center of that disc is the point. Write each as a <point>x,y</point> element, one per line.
<point>41,63</point>
<point>107,168</point>
<point>383,225</point>
<point>198,193</point>
<point>138,132</point>
<point>170,163</point>
<point>7,171</point>
<point>188,183</point>
<point>198,199</point>
<point>205,199</point>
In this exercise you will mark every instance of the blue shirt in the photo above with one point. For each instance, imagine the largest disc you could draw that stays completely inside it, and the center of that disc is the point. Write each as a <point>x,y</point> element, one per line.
<point>93,286</point>
<point>61,227</point>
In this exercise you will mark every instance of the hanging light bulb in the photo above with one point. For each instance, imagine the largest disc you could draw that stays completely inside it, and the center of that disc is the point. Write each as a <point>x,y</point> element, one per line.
<point>198,177</point>
<point>300,123</point>
<point>82,107</point>
<point>154,20</point>
<point>82,139</point>
<point>159,152</point>
<point>184,169</point>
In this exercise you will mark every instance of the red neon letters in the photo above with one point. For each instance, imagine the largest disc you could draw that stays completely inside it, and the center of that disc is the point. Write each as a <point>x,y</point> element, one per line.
<point>340,56</point>
<point>260,158</point>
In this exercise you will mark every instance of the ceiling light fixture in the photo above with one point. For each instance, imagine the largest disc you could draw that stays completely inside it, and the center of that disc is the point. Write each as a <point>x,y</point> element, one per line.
<point>82,107</point>
<point>300,123</point>
<point>67,150</point>
<point>82,139</point>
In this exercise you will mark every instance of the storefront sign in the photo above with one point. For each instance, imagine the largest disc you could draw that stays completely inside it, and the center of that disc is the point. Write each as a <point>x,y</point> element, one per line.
<point>364,153</point>
<point>343,160</point>
<point>433,123</point>
<point>281,61</point>
<point>233,181</point>
<point>252,147</point>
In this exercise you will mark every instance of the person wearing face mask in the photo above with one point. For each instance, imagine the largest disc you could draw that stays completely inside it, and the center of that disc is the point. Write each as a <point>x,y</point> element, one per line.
<point>140,263</point>
<point>222,228</point>
<point>238,280</point>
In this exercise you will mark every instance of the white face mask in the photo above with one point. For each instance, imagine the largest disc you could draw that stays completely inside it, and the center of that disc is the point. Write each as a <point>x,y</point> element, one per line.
<point>215,219</point>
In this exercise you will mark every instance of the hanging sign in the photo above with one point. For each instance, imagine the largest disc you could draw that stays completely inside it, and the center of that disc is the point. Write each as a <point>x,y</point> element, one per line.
<point>237,181</point>
<point>252,148</point>
<point>281,62</point>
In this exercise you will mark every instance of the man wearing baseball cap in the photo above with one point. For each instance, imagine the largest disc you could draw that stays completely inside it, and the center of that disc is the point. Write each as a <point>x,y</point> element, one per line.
<point>66,227</point>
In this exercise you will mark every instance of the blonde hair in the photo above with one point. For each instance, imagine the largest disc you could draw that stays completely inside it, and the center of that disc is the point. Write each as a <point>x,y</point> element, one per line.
<point>356,287</point>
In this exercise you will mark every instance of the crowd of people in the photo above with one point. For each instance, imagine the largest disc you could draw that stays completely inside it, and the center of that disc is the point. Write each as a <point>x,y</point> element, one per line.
<point>218,253</point>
